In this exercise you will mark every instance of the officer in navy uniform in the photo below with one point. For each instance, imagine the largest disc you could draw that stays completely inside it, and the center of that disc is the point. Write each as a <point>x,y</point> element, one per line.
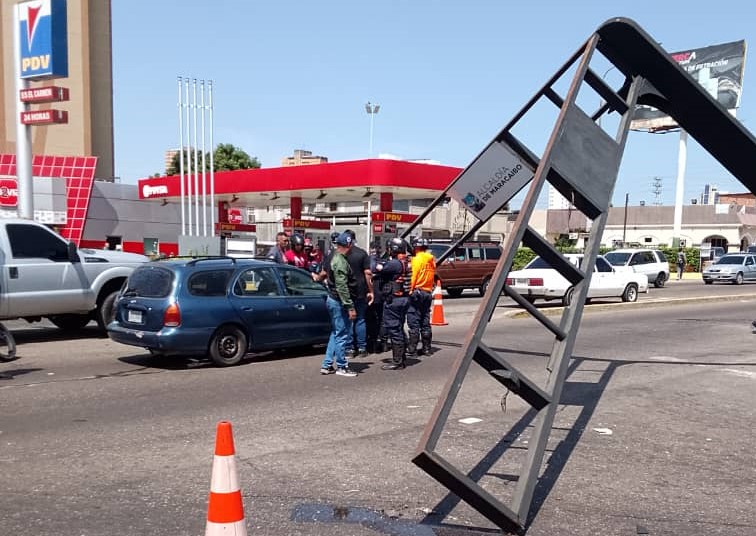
<point>395,282</point>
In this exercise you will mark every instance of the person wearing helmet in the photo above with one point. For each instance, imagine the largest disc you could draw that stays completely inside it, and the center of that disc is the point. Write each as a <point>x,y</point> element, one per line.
<point>421,299</point>
<point>396,276</point>
<point>296,256</point>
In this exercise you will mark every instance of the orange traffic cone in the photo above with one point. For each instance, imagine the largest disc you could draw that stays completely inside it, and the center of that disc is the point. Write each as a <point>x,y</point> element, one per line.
<point>437,313</point>
<point>225,511</point>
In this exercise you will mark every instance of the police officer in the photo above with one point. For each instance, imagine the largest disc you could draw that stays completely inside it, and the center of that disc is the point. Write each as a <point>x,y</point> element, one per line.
<point>376,334</point>
<point>421,298</point>
<point>395,277</point>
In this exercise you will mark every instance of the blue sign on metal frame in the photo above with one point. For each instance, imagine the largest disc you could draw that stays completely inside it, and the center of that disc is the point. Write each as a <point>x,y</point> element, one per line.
<point>44,39</point>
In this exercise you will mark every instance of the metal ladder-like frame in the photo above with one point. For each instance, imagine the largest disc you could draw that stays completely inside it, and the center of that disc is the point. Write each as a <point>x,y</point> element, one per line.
<point>582,162</point>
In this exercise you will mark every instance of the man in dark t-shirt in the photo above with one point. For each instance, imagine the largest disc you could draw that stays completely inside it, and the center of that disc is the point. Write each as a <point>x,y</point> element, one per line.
<point>359,261</point>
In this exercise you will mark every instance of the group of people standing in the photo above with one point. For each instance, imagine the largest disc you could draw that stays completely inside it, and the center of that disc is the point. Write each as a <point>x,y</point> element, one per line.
<point>370,297</point>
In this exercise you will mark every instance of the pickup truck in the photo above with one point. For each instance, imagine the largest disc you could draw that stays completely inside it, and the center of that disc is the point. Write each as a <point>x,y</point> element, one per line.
<point>43,275</point>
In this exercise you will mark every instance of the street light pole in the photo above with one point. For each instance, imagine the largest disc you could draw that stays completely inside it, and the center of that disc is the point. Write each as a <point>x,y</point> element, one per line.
<point>371,109</point>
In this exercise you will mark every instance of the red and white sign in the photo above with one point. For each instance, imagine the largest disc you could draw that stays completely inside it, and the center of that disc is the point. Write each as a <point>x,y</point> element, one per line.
<point>398,217</point>
<point>8,192</point>
<point>290,223</point>
<point>240,227</point>
<point>235,215</point>
<point>44,117</point>
<point>40,95</point>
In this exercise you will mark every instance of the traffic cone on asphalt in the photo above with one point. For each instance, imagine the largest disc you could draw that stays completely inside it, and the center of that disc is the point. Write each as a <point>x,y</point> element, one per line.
<point>225,511</point>
<point>437,313</point>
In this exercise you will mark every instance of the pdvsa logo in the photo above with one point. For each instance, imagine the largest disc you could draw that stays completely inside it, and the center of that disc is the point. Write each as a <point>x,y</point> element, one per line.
<point>150,191</point>
<point>8,193</point>
<point>43,39</point>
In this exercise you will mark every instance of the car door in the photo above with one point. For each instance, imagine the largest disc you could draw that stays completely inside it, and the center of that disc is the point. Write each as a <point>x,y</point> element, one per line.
<point>749,269</point>
<point>605,282</point>
<point>306,301</point>
<point>40,276</point>
<point>259,301</point>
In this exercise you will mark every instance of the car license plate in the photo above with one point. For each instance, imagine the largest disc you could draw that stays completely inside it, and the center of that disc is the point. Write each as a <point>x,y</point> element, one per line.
<point>523,282</point>
<point>135,317</point>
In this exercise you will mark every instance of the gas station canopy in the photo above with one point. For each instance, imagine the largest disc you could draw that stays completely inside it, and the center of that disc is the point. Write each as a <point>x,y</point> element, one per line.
<point>325,183</point>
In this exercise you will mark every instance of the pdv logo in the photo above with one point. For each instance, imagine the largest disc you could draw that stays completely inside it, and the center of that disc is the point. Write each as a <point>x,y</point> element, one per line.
<point>8,193</point>
<point>43,39</point>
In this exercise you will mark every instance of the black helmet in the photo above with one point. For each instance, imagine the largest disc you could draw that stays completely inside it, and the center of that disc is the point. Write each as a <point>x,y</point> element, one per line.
<point>334,236</point>
<point>397,245</point>
<point>296,240</point>
<point>421,243</point>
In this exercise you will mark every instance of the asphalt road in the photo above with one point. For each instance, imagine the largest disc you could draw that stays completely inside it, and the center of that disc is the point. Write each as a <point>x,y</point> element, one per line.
<point>98,438</point>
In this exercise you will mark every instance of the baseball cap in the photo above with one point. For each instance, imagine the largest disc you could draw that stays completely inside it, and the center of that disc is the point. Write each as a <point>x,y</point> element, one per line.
<point>344,239</point>
<point>334,236</point>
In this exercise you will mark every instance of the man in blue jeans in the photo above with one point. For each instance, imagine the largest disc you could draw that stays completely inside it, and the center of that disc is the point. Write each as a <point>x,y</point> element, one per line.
<point>340,304</point>
<point>359,261</point>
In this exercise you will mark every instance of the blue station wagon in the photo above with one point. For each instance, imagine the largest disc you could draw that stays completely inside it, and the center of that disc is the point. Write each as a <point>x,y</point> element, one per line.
<point>220,307</point>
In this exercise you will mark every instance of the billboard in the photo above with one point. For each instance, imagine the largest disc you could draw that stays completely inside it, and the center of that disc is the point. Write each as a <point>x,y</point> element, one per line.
<point>718,68</point>
<point>43,36</point>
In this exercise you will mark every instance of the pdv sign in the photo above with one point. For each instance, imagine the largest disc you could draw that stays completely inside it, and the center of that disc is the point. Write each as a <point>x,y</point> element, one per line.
<point>43,39</point>
<point>8,192</point>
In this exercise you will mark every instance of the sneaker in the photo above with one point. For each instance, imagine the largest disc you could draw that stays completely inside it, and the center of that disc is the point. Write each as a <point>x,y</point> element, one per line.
<point>346,372</point>
<point>327,370</point>
<point>362,352</point>
<point>350,354</point>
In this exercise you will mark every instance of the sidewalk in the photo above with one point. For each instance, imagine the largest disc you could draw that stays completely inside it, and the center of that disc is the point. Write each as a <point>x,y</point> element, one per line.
<point>686,275</point>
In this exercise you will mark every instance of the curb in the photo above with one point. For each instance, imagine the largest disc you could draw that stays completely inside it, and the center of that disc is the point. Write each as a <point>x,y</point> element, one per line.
<point>554,311</point>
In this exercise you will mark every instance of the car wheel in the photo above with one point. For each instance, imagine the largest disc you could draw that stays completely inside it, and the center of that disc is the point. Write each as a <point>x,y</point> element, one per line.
<point>228,346</point>
<point>631,293</point>
<point>454,292</point>
<point>529,299</point>
<point>70,322</point>
<point>567,298</point>
<point>484,286</point>
<point>739,279</point>
<point>660,280</point>
<point>106,312</point>
<point>7,344</point>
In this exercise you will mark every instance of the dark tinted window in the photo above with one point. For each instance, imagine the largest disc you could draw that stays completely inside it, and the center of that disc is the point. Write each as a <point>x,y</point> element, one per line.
<point>538,262</point>
<point>32,242</point>
<point>209,283</point>
<point>257,282</point>
<point>602,265</point>
<point>662,256</point>
<point>730,259</point>
<point>493,254</point>
<point>616,258</point>
<point>150,282</point>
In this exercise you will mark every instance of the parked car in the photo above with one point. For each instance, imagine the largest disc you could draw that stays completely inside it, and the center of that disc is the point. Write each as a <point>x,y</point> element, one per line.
<point>538,280</point>
<point>651,262</point>
<point>731,268</point>
<point>471,265</point>
<point>220,307</point>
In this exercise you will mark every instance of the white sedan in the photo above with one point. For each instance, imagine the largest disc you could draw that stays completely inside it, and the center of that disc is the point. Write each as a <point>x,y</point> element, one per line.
<point>538,280</point>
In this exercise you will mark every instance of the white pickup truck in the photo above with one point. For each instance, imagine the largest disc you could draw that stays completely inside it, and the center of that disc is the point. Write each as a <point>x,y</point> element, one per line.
<point>43,275</point>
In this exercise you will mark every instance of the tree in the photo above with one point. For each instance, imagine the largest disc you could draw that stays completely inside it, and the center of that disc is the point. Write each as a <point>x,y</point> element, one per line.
<point>226,157</point>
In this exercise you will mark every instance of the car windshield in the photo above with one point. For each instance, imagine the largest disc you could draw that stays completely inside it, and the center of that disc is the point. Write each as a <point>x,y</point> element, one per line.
<point>149,282</point>
<point>617,258</point>
<point>730,259</point>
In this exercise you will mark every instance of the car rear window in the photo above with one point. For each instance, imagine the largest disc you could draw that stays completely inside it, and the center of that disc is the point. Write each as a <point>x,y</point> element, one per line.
<point>616,258</point>
<point>150,282</point>
<point>493,254</point>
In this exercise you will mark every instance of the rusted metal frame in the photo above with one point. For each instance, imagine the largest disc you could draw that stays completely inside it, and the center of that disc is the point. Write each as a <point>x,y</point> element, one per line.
<point>515,381</point>
<point>605,107</point>
<point>562,350</point>
<point>461,364</point>
<point>535,312</point>
<point>468,490</point>
<point>598,84</point>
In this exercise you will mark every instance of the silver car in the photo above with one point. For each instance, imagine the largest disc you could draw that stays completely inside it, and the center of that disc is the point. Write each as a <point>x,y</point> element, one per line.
<point>732,268</point>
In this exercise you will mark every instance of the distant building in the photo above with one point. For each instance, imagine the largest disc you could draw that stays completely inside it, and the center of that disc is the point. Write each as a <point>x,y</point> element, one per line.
<point>302,158</point>
<point>170,154</point>
<point>556,200</point>
<point>710,195</point>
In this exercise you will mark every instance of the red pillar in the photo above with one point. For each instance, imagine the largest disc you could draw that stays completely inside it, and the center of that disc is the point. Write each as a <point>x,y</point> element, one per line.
<point>387,201</point>
<point>222,211</point>
<point>296,208</point>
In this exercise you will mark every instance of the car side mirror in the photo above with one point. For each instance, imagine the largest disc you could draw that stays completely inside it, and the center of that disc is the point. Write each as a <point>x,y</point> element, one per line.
<point>73,254</point>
